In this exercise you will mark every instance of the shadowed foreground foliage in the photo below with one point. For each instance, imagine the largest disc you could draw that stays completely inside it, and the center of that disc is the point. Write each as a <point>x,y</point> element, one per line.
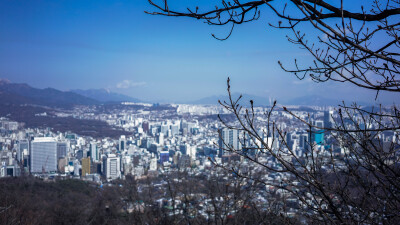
<point>31,201</point>
<point>28,200</point>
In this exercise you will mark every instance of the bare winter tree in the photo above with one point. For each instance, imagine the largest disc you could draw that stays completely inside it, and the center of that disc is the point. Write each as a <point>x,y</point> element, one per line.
<point>356,46</point>
<point>356,179</point>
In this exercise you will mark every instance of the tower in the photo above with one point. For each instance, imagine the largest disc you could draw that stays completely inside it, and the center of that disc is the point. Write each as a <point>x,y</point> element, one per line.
<point>228,139</point>
<point>43,155</point>
<point>111,167</point>
<point>23,149</point>
<point>122,143</point>
<point>328,119</point>
<point>61,150</point>
<point>85,166</point>
<point>94,152</point>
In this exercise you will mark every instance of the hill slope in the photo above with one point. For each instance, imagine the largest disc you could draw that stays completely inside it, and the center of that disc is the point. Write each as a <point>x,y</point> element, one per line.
<point>103,95</point>
<point>12,93</point>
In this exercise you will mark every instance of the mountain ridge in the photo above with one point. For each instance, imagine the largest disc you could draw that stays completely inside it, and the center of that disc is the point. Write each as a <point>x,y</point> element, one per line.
<point>105,96</point>
<point>21,93</point>
<point>307,100</point>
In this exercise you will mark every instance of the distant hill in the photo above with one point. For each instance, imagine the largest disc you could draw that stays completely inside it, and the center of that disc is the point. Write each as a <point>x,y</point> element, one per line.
<point>245,100</point>
<point>13,93</point>
<point>311,100</point>
<point>9,98</point>
<point>314,100</point>
<point>103,95</point>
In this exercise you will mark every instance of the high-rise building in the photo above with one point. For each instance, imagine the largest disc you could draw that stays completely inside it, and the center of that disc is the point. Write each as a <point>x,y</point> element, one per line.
<point>328,119</point>
<point>146,143</point>
<point>94,152</point>
<point>122,143</point>
<point>319,123</point>
<point>61,150</point>
<point>160,138</point>
<point>174,129</point>
<point>146,126</point>
<point>111,167</point>
<point>289,140</point>
<point>184,149</point>
<point>228,139</point>
<point>79,154</point>
<point>164,129</point>
<point>23,148</point>
<point>304,141</point>
<point>153,131</point>
<point>85,166</point>
<point>43,155</point>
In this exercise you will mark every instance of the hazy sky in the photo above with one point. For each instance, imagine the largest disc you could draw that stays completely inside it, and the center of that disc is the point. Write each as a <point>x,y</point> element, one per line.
<point>115,45</point>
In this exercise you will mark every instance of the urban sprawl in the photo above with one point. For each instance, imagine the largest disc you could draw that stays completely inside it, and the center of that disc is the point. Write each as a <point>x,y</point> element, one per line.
<point>162,143</point>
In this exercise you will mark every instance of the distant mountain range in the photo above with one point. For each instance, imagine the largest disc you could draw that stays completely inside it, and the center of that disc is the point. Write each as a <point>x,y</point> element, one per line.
<point>13,93</point>
<point>311,100</point>
<point>24,94</point>
<point>245,100</point>
<point>105,96</point>
<point>314,100</point>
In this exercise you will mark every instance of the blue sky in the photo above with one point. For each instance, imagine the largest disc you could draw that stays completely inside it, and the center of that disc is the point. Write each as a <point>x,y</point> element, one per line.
<point>115,45</point>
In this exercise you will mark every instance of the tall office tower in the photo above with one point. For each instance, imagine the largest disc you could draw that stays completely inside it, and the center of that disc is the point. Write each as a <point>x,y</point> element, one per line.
<point>94,152</point>
<point>43,155</point>
<point>85,166</point>
<point>304,141</point>
<point>190,126</point>
<point>164,129</point>
<point>111,167</point>
<point>228,138</point>
<point>79,154</point>
<point>122,143</point>
<point>23,149</point>
<point>319,123</point>
<point>328,119</point>
<point>183,124</point>
<point>146,126</point>
<point>61,150</point>
<point>183,148</point>
<point>146,143</point>
<point>289,139</point>
<point>160,139</point>
<point>174,129</point>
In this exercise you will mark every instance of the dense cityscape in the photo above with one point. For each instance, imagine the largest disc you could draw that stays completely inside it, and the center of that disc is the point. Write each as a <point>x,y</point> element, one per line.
<point>161,144</point>
<point>199,112</point>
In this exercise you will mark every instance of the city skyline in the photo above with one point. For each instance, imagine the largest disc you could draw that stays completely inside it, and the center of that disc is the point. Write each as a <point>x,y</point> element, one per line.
<point>142,112</point>
<point>117,46</point>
